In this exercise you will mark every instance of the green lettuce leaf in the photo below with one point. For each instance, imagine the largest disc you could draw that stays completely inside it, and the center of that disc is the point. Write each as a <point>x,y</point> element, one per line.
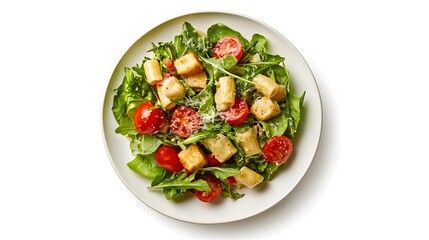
<point>176,186</point>
<point>130,94</point>
<point>145,166</point>
<point>144,144</point>
<point>222,172</point>
<point>219,30</point>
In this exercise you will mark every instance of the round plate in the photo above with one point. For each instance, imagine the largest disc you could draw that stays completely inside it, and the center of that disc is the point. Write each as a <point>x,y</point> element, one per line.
<point>256,200</point>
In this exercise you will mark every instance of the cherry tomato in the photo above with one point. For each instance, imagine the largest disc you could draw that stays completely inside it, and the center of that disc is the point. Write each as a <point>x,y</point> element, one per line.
<point>231,181</point>
<point>215,185</point>
<point>148,119</point>
<point>237,113</point>
<point>277,149</point>
<point>167,158</point>
<point>168,63</point>
<point>185,121</point>
<point>212,161</point>
<point>228,46</point>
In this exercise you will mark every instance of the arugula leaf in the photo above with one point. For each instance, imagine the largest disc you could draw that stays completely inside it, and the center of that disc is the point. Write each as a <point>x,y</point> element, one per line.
<point>296,109</point>
<point>190,40</point>
<point>177,184</point>
<point>281,75</point>
<point>207,109</point>
<point>199,136</point>
<point>219,67</point>
<point>144,144</point>
<point>222,172</point>
<point>257,45</point>
<point>219,30</point>
<point>269,171</point>
<point>126,127</point>
<point>274,59</point>
<point>277,125</point>
<point>174,187</point>
<point>163,50</point>
<point>227,191</point>
<point>180,46</point>
<point>146,166</point>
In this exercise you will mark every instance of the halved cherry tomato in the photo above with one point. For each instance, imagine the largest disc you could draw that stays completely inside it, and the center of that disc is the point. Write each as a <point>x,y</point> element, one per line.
<point>228,46</point>
<point>237,113</point>
<point>231,181</point>
<point>185,121</point>
<point>215,185</point>
<point>149,119</point>
<point>168,63</point>
<point>277,149</point>
<point>212,161</point>
<point>167,158</point>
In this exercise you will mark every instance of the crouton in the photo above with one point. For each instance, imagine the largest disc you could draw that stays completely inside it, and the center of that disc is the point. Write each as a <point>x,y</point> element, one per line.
<point>173,88</point>
<point>248,177</point>
<point>166,103</point>
<point>265,108</point>
<point>248,142</point>
<point>281,93</point>
<point>221,147</point>
<point>188,65</point>
<point>225,93</point>
<point>197,82</point>
<point>265,85</point>
<point>152,71</point>
<point>192,158</point>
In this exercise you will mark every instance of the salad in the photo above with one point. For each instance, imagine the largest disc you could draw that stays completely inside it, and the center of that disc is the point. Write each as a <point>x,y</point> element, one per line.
<point>209,113</point>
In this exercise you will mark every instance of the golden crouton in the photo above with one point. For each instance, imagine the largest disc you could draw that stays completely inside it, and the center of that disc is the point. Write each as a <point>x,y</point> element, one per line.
<point>265,108</point>
<point>220,146</point>
<point>248,177</point>
<point>225,93</point>
<point>248,141</point>
<point>173,88</point>
<point>192,158</point>
<point>281,93</point>
<point>265,85</point>
<point>197,82</point>
<point>166,103</point>
<point>188,65</point>
<point>152,71</point>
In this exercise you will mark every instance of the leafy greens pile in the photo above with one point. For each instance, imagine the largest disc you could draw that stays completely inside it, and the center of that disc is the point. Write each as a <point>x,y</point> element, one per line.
<point>134,90</point>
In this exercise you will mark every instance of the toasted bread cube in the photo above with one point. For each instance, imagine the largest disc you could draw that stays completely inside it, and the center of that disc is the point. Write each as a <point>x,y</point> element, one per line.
<point>248,177</point>
<point>197,82</point>
<point>281,93</point>
<point>225,93</point>
<point>220,146</point>
<point>152,71</point>
<point>166,103</point>
<point>188,65</point>
<point>192,158</point>
<point>265,108</point>
<point>173,88</point>
<point>265,85</point>
<point>248,141</point>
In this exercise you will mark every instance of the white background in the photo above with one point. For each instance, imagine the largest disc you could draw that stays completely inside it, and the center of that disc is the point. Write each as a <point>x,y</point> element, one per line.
<point>369,179</point>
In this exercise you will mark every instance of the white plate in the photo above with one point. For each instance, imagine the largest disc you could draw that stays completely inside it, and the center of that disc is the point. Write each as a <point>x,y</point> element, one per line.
<point>256,200</point>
